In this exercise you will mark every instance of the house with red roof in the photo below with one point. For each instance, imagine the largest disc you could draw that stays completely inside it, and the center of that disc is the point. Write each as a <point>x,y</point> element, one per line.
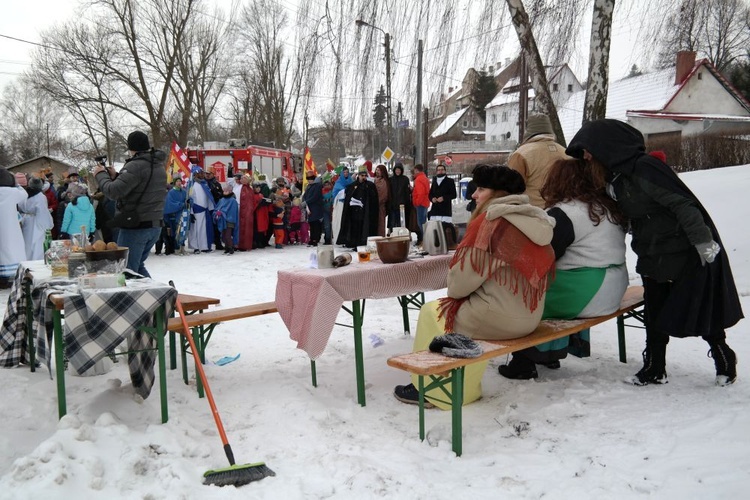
<point>691,98</point>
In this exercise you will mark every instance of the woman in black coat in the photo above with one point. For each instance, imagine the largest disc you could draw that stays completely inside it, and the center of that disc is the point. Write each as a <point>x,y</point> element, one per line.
<point>400,195</point>
<point>688,283</point>
<point>359,218</point>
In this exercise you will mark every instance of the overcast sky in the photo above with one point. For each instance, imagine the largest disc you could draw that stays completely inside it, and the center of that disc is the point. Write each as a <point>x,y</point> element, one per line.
<point>26,19</point>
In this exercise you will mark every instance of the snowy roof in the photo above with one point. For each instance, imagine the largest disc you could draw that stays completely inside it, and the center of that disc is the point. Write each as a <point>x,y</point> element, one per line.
<point>448,123</point>
<point>473,132</point>
<point>507,98</point>
<point>689,116</point>
<point>651,91</point>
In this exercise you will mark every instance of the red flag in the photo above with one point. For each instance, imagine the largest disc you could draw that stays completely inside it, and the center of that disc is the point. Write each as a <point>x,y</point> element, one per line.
<point>178,164</point>
<point>330,167</point>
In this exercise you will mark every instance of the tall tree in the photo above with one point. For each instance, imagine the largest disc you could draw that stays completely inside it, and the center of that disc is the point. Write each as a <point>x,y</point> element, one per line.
<point>274,77</point>
<point>739,75</point>
<point>597,85</point>
<point>544,102</point>
<point>31,121</point>
<point>378,111</point>
<point>716,29</point>
<point>483,90</point>
<point>147,64</point>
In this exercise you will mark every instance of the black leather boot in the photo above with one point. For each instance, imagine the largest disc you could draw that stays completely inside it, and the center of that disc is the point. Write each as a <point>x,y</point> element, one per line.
<point>726,363</point>
<point>519,368</point>
<point>654,366</point>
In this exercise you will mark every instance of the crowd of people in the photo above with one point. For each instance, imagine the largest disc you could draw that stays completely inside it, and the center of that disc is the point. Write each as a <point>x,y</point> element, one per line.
<point>546,237</point>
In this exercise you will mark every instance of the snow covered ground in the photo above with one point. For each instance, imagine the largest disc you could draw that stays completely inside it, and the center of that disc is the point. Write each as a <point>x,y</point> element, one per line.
<point>577,432</point>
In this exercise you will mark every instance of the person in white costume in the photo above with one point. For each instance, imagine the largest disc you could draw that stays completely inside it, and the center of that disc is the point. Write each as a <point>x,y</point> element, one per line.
<point>35,219</point>
<point>12,250</point>
<point>200,236</point>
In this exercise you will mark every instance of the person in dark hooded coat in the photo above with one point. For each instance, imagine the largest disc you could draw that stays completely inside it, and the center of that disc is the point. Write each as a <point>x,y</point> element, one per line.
<point>360,215</point>
<point>688,283</point>
<point>400,195</point>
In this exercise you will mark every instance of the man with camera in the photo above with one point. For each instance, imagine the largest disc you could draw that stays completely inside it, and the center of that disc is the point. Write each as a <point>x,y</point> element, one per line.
<point>139,192</point>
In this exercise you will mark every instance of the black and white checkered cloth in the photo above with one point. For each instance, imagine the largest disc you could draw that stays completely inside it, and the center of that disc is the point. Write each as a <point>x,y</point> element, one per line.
<point>13,341</point>
<point>98,320</point>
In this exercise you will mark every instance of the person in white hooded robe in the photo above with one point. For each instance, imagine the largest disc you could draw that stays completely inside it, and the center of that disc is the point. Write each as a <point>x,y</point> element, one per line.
<point>35,219</point>
<point>200,235</point>
<point>12,250</point>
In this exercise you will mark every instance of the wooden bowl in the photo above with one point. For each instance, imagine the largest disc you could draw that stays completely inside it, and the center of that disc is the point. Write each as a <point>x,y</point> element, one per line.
<point>393,250</point>
<point>120,254</point>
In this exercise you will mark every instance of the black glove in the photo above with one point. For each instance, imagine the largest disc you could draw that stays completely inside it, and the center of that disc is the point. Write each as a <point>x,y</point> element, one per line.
<point>456,345</point>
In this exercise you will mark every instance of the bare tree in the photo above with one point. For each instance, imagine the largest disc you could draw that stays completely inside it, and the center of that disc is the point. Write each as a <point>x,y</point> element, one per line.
<point>538,74</point>
<point>31,121</point>
<point>597,86</point>
<point>203,67</point>
<point>69,69</point>
<point>154,64</point>
<point>716,29</point>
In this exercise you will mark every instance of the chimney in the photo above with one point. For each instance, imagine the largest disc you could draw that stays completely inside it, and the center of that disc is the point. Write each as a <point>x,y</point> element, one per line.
<point>492,69</point>
<point>507,62</point>
<point>684,65</point>
<point>450,89</point>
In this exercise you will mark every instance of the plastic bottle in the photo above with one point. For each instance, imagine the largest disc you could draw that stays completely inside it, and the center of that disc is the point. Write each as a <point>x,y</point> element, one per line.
<point>342,260</point>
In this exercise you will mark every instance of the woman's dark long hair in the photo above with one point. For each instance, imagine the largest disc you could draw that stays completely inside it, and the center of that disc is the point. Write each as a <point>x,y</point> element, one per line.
<point>582,180</point>
<point>384,174</point>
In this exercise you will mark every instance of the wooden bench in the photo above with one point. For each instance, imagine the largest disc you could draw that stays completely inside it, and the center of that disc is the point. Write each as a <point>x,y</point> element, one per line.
<point>192,304</point>
<point>202,326</point>
<point>447,373</point>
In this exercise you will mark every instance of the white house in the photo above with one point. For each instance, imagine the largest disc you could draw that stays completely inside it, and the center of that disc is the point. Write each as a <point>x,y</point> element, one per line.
<point>688,99</point>
<point>503,111</point>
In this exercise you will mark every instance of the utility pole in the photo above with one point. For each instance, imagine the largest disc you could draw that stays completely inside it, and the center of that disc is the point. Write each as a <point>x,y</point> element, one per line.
<point>418,132</point>
<point>48,139</point>
<point>523,98</point>
<point>425,118</point>
<point>388,84</point>
<point>399,128</point>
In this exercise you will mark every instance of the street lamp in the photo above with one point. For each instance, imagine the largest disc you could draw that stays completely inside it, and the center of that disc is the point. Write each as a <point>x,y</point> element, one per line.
<point>360,22</point>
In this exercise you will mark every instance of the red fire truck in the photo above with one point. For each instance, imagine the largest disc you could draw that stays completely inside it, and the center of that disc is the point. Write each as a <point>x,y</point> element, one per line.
<point>272,162</point>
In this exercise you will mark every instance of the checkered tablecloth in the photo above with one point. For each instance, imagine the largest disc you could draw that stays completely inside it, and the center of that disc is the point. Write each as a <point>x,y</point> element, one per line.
<point>13,341</point>
<point>98,320</point>
<point>309,300</point>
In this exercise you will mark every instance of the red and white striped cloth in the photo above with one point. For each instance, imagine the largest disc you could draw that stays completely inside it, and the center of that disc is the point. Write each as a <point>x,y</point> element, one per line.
<point>309,300</point>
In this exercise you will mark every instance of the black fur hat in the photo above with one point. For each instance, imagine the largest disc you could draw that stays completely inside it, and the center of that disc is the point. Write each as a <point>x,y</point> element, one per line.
<point>499,177</point>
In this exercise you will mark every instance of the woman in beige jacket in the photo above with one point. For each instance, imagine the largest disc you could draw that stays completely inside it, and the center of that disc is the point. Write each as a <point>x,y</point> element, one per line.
<point>497,278</point>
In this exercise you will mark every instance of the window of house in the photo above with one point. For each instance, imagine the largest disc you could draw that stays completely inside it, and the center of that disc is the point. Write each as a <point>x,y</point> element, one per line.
<point>494,118</point>
<point>570,87</point>
<point>700,76</point>
<point>493,138</point>
<point>473,122</point>
<point>554,87</point>
<point>505,116</point>
<point>458,106</point>
<point>465,123</point>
